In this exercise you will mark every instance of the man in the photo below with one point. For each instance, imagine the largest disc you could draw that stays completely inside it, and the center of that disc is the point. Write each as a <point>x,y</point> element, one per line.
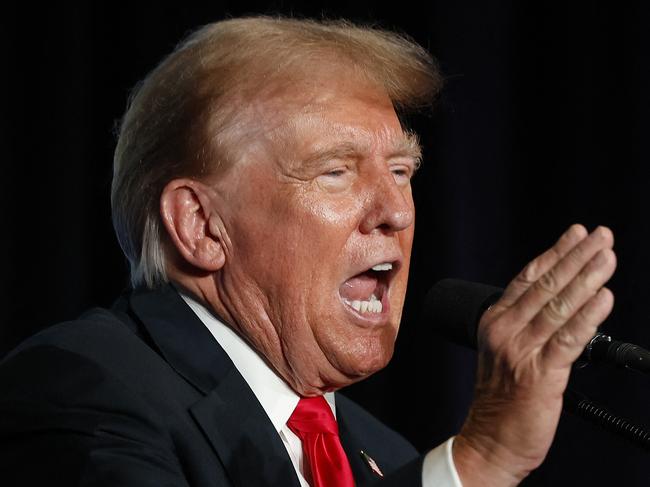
<point>262,196</point>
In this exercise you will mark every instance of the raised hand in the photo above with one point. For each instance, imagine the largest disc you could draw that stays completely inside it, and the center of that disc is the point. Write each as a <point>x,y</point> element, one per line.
<point>527,343</point>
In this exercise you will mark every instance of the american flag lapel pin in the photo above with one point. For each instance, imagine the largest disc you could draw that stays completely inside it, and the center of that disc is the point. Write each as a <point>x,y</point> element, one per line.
<point>371,463</point>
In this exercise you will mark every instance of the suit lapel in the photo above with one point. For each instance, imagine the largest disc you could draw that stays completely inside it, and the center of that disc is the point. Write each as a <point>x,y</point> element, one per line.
<point>353,448</point>
<point>229,414</point>
<point>181,338</point>
<point>246,441</point>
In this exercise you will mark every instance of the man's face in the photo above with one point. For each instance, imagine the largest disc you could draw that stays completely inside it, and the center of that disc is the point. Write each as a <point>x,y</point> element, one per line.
<point>320,198</point>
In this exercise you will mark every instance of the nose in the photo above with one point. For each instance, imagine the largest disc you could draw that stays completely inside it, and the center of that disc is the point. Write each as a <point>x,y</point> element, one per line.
<point>389,207</point>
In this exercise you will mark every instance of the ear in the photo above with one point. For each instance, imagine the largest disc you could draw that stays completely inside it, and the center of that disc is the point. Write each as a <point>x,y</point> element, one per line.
<point>185,208</point>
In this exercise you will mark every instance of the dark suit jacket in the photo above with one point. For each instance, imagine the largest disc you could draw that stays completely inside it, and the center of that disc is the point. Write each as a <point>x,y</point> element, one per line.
<point>142,395</point>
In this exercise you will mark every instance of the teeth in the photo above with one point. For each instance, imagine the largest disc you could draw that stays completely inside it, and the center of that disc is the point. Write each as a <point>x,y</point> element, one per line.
<point>373,305</point>
<point>386,266</point>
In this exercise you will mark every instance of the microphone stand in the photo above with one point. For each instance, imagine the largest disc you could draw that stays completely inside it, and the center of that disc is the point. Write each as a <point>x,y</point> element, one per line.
<point>579,405</point>
<point>602,348</point>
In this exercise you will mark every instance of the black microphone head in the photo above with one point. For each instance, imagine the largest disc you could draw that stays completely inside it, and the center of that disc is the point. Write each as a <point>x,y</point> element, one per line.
<point>454,307</point>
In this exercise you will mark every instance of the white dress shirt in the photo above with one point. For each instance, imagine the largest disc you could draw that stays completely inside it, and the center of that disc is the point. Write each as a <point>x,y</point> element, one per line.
<point>279,401</point>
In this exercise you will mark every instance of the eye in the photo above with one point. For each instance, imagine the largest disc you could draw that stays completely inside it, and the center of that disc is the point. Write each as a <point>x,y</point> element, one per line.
<point>402,174</point>
<point>402,171</point>
<point>335,180</point>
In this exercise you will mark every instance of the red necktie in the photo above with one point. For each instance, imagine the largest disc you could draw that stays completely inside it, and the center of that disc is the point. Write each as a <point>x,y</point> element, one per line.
<point>315,425</point>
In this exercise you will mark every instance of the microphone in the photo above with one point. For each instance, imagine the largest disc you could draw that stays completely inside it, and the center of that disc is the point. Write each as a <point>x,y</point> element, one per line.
<point>455,307</point>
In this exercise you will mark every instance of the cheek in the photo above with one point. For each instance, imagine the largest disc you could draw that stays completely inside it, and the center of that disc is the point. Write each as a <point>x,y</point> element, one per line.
<point>316,228</point>
<point>292,245</point>
<point>334,211</point>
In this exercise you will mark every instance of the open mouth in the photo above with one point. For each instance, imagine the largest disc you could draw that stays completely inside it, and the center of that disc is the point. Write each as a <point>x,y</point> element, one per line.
<point>367,292</point>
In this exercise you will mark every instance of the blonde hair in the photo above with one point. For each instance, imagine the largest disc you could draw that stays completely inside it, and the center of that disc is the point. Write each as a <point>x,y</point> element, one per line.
<point>178,118</point>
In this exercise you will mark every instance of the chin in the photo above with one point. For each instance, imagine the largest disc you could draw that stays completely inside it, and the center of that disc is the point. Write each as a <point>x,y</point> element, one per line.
<point>368,357</point>
<point>343,368</point>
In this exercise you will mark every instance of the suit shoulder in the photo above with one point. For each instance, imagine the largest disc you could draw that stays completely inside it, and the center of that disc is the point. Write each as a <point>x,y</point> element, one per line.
<point>98,352</point>
<point>65,415</point>
<point>96,325</point>
<point>72,358</point>
<point>88,371</point>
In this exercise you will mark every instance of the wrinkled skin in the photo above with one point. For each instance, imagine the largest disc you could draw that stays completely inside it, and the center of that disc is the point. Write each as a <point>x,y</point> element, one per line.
<point>269,244</point>
<point>527,343</point>
<point>321,193</point>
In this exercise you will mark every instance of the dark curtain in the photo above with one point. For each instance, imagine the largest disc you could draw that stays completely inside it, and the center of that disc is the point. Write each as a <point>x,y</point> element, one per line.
<point>540,125</point>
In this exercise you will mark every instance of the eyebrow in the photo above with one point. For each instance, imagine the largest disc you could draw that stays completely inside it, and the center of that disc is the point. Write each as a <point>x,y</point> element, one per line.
<point>407,145</point>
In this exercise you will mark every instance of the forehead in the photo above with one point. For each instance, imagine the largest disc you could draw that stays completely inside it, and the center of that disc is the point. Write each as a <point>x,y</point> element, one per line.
<point>334,106</point>
<point>309,120</point>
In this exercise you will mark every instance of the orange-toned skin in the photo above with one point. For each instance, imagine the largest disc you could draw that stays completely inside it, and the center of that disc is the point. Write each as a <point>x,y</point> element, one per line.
<point>290,227</point>
<point>321,192</point>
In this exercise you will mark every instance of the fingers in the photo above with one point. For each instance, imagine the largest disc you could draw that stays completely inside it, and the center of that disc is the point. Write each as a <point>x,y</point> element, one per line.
<point>563,306</point>
<point>567,269</point>
<point>526,347</point>
<point>568,342</point>
<point>542,264</point>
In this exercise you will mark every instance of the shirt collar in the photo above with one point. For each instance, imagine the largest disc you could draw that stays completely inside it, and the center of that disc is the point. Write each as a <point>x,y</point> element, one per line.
<point>276,397</point>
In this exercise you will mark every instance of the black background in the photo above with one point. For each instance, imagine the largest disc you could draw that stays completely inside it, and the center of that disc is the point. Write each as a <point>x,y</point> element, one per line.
<point>541,125</point>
